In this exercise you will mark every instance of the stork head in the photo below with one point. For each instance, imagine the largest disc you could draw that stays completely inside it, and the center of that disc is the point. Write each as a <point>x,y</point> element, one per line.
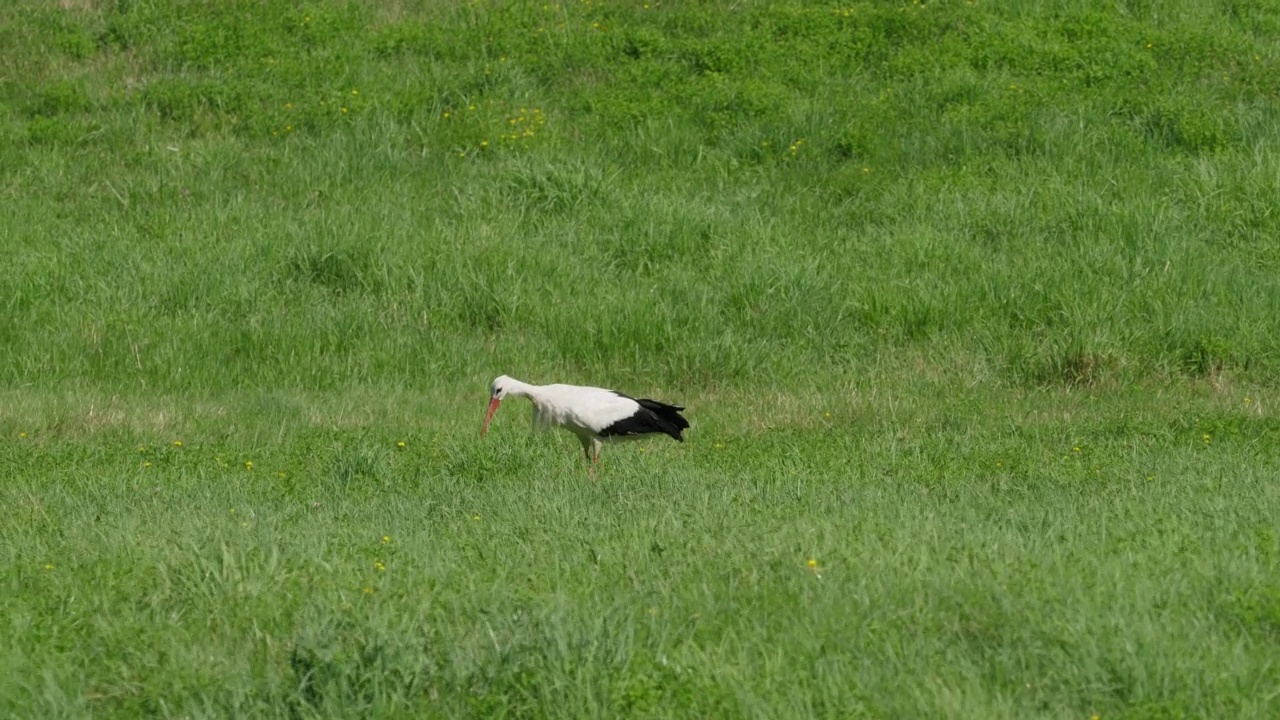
<point>499,387</point>
<point>497,390</point>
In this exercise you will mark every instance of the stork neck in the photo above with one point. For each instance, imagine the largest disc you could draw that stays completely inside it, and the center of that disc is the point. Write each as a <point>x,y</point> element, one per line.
<point>522,389</point>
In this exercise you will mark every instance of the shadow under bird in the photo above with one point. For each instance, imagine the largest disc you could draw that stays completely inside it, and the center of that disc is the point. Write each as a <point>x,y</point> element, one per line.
<point>594,414</point>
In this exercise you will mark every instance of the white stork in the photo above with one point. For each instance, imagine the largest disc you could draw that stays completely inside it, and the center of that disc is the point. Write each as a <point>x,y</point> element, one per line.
<point>594,414</point>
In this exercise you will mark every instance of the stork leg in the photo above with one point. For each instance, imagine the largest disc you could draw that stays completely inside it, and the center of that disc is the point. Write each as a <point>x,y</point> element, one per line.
<point>586,452</point>
<point>591,450</point>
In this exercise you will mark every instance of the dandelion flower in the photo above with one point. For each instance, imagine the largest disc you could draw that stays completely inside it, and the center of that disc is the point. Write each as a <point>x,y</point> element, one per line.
<point>812,563</point>
<point>177,443</point>
<point>22,434</point>
<point>146,464</point>
<point>379,566</point>
<point>386,539</point>
<point>354,92</point>
<point>344,110</point>
<point>400,444</point>
<point>368,590</point>
<point>248,464</point>
<point>475,518</point>
<point>48,566</point>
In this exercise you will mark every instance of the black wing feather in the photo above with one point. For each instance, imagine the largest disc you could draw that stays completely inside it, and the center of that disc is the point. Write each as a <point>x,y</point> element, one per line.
<point>652,417</point>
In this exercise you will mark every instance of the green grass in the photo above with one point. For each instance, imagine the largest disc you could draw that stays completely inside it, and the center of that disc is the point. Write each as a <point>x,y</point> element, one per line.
<point>972,305</point>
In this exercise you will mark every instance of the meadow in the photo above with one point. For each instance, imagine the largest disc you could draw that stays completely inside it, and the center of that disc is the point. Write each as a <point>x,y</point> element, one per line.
<point>973,306</point>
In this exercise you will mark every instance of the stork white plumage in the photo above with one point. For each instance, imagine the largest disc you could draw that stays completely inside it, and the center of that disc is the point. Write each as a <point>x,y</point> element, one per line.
<point>594,414</point>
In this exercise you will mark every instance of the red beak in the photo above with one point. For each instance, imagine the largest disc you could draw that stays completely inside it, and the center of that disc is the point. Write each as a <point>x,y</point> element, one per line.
<point>493,408</point>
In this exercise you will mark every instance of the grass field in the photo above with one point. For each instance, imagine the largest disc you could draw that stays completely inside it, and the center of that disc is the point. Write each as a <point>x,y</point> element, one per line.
<point>974,306</point>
